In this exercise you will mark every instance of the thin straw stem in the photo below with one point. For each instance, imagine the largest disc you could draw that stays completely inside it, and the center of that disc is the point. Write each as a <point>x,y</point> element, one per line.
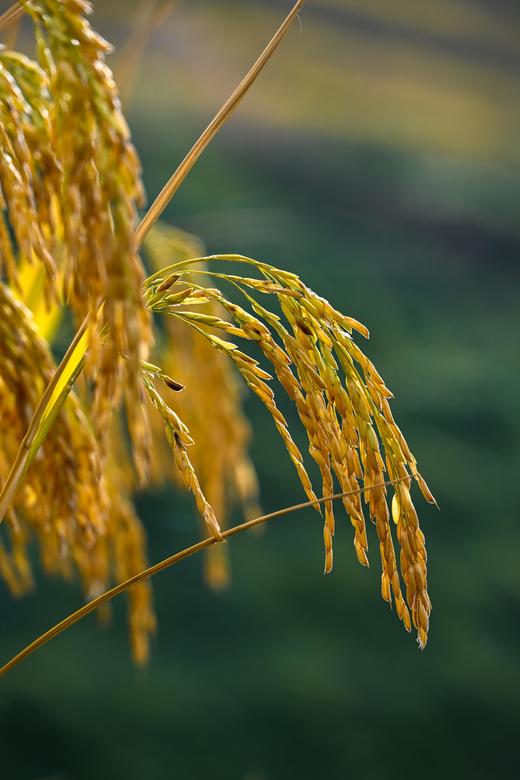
<point>212,129</point>
<point>91,606</point>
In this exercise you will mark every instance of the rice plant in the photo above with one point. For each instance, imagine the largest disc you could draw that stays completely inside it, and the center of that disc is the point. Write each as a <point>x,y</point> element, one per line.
<point>163,333</point>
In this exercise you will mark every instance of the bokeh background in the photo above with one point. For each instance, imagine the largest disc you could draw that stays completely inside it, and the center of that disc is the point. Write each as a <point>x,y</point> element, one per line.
<point>378,157</point>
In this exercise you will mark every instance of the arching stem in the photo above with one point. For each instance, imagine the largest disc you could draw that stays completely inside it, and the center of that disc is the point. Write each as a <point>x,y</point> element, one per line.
<point>91,606</point>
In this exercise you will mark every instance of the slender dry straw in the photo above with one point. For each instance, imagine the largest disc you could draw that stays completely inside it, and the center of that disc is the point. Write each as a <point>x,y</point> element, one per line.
<point>22,458</point>
<point>91,606</point>
<point>12,14</point>
<point>213,128</point>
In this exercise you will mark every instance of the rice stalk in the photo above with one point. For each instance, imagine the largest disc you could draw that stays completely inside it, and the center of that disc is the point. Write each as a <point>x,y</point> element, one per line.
<point>146,574</point>
<point>229,107</point>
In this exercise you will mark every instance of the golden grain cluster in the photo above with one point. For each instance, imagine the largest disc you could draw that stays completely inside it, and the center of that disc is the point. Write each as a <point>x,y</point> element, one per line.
<point>70,461</point>
<point>340,398</point>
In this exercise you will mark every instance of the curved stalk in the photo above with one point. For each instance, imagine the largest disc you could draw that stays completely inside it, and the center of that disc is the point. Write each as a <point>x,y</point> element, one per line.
<point>91,606</point>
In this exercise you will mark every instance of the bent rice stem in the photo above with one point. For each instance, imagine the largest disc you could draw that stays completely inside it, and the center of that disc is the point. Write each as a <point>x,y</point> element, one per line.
<point>91,606</point>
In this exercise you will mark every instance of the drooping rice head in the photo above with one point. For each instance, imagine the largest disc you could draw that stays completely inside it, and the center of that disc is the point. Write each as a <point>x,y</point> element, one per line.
<point>341,400</point>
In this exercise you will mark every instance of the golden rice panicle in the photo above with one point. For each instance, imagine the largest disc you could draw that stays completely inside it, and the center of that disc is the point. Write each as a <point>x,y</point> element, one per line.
<point>307,399</point>
<point>371,400</point>
<point>370,465</point>
<point>29,173</point>
<point>219,453</point>
<point>367,398</point>
<point>400,463</point>
<point>180,440</point>
<point>221,440</point>
<point>46,171</point>
<point>73,501</point>
<point>162,297</point>
<point>252,329</point>
<point>63,499</point>
<point>305,389</point>
<point>413,561</point>
<point>101,192</point>
<point>341,400</point>
<point>319,417</point>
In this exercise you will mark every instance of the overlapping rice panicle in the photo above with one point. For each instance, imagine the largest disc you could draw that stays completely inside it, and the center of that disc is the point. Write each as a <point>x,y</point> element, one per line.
<point>210,406</point>
<point>341,400</point>
<point>69,501</point>
<point>69,190</point>
<point>30,176</point>
<point>100,192</point>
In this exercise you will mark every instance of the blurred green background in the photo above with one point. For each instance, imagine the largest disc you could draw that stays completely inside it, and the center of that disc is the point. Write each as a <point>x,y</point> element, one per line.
<point>378,157</point>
